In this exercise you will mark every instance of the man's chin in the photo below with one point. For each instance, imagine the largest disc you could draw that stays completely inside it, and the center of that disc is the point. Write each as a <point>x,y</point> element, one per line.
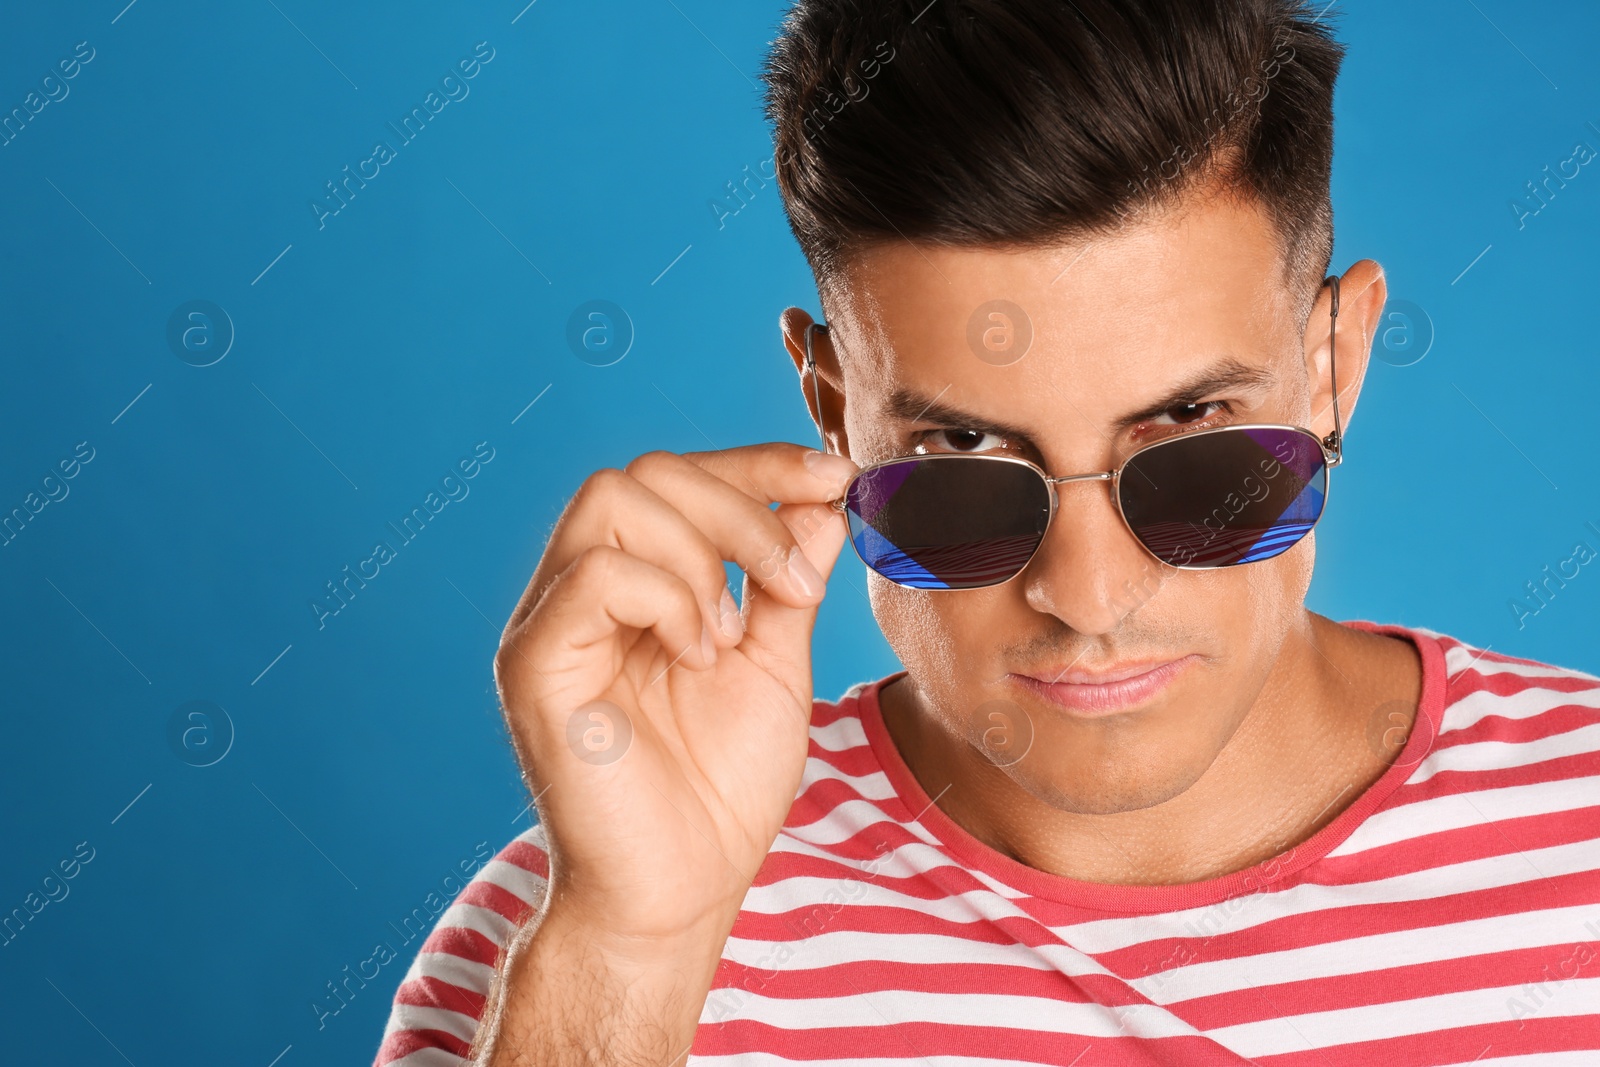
<point>1068,786</point>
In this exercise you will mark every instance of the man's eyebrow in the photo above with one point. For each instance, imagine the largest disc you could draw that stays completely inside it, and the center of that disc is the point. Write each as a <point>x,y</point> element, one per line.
<point>1227,373</point>
<point>908,405</point>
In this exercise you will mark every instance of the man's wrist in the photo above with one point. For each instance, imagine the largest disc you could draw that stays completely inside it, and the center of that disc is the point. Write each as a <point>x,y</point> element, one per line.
<point>572,926</point>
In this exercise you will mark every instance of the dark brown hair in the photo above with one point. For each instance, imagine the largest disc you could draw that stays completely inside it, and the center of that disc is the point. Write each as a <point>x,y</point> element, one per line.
<point>1019,122</point>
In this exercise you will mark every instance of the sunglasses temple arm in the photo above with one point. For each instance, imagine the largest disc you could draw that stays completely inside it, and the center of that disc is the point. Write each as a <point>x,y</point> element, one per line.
<point>816,395</point>
<point>1334,442</point>
<point>816,390</point>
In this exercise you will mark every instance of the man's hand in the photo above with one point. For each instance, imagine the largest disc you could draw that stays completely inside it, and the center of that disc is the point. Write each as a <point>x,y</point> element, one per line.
<point>664,735</point>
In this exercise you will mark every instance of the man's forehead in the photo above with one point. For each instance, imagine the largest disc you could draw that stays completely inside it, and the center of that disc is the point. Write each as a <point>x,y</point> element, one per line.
<point>1169,308</point>
<point>1206,261</point>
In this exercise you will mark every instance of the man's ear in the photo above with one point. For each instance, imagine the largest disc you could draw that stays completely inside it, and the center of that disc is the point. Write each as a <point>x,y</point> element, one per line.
<point>830,380</point>
<point>1362,292</point>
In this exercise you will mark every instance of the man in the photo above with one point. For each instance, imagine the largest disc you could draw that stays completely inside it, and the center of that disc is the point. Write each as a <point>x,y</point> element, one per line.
<point>1128,802</point>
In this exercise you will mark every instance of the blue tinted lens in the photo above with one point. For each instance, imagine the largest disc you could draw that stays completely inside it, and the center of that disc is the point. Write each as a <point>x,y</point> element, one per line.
<point>948,521</point>
<point>1218,498</point>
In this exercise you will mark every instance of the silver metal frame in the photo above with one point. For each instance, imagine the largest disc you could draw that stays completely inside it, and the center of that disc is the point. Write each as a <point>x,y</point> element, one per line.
<point>1332,455</point>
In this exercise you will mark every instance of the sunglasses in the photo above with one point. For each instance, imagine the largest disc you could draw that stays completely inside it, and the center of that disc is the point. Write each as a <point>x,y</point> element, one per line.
<point>1196,501</point>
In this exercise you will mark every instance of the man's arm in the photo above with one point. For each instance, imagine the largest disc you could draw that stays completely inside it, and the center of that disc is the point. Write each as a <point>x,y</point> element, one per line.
<point>566,992</point>
<point>504,977</point>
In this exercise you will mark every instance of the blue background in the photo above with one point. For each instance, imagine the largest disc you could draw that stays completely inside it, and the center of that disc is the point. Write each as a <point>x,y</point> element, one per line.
<point>367,756</point>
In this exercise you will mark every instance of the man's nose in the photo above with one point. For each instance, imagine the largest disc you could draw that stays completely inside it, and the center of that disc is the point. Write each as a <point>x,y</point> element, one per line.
<point>1090,572</point>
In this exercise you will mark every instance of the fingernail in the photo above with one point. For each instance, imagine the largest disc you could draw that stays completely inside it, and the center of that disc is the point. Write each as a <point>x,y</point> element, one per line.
<point>827,467</point>
<point>708,648</point>
<point>803,575</point>
<point>728,616</point>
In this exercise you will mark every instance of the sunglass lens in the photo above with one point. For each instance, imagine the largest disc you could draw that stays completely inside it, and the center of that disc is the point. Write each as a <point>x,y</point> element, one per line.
<point>1214,499</point>
<point>948,521</point>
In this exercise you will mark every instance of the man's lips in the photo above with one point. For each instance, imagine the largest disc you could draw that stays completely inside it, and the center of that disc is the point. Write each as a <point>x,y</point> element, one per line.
<point>1117,688</point>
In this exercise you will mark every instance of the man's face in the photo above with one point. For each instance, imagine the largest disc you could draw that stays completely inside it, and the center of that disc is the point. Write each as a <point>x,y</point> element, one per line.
<point>1118,323</point>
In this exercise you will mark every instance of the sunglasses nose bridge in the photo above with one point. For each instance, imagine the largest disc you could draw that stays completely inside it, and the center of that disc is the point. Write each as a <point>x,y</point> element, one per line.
<point>1094,476</point>
<point>1097,476</point>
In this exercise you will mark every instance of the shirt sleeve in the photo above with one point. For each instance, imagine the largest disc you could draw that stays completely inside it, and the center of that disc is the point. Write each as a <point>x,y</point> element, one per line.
<point>441,999</point>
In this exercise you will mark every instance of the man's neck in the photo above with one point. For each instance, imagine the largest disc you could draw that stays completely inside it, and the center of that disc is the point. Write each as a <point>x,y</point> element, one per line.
<point>1304,753</point>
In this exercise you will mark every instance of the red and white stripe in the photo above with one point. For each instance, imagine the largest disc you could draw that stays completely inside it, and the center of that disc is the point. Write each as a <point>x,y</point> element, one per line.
<point>1449,916</point>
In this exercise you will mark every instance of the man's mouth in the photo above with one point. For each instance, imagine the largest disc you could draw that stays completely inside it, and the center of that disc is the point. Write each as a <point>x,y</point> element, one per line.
<point>1105,690</point>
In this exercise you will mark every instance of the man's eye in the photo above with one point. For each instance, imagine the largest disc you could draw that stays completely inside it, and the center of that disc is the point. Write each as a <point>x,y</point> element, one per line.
<point>1184,414</point>
<point>958,440</point>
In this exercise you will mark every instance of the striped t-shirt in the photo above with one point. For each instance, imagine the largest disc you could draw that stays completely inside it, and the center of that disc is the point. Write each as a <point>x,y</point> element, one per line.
<point>1449,915</point>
